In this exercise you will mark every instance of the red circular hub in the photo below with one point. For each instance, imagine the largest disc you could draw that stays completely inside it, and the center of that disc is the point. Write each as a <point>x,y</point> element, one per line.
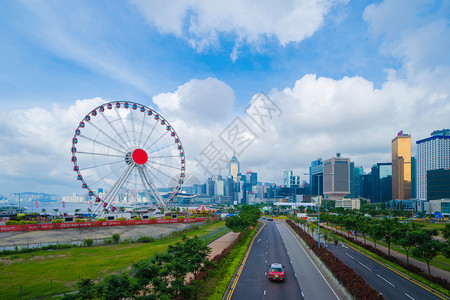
<point>140,156</point>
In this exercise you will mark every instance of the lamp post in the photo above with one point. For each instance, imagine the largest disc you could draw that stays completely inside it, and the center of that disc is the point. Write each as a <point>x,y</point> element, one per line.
<point>318,210</point>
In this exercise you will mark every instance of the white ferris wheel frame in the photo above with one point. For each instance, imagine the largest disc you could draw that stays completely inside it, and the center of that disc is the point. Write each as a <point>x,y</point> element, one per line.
<point>133,157</point>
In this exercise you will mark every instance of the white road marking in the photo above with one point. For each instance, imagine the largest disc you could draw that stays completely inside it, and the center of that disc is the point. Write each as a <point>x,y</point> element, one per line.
<point>295,274</point>
<point>409,296</point>
<point>265,273</point>
<point>266,261</point>
<point>266,252</point>
<point>350,256</point>
<point>344,246</point>
<point>364,266</point>
<point>264,292</point>
<point>259,240</point>
<point>386,280</point>
<point>303,295</point>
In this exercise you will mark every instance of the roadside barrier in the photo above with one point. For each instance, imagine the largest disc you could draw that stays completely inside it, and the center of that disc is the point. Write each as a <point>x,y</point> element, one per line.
<point>50,226</point>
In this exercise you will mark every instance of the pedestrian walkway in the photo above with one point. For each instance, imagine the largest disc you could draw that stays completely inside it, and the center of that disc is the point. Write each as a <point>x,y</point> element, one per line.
<point>435,271</point>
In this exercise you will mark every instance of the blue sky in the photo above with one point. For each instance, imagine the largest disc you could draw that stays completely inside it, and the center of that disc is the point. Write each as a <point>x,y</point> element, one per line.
<point>350,68</point>
<point>35,67</point>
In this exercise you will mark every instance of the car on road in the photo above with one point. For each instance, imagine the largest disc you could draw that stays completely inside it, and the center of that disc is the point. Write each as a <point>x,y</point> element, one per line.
<point>269,219</point>
<point>276,272</point>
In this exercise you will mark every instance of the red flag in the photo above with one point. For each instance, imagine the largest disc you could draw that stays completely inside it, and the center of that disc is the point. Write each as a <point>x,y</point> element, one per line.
<point>37,205</point>
<point>400,133</point>
<point>64,204</point>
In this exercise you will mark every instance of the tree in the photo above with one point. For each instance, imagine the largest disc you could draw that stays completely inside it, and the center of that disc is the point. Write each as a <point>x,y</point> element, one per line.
<point>247,216</point>
<point>408,241</point>
<point>236,224</point>
<point>390,231</point>
<point>43,210</point>
<point>363,226</point>
<point>336,241</point>
<point>376,233</point>
<point>427,249</point>
<point>446,232</point>
<point>77,212</point>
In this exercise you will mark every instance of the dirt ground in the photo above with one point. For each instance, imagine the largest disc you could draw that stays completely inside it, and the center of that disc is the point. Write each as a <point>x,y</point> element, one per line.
<point>9,239</point>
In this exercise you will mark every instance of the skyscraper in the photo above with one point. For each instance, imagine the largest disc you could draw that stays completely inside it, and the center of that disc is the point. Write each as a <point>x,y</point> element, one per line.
<point>401,166</point>
<point>290,180</point>
<point>336,177</point>
<point>381,190</point>
<point>316,177</point>
<point>432,153</point>
<point>234,168</point>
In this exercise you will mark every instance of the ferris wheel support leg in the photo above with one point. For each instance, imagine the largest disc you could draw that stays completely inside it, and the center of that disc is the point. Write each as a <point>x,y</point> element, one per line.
<point>153,189</point>
<point>144,183</point>
<point>115,189</point>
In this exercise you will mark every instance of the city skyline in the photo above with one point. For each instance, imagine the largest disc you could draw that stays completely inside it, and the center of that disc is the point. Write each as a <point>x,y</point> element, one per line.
<point>343,76</point>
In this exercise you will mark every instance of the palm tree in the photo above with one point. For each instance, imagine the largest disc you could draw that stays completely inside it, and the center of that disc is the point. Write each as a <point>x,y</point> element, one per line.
<point>77,211</point>
<point>55,210</point>
<point>43,210</point>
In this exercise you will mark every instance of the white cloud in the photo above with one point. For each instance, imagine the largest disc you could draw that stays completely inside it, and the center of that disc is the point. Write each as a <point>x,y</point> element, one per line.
<point>417,33</point>
<point>202,102</point>
<point>201,22</point>
<point>35,152</point>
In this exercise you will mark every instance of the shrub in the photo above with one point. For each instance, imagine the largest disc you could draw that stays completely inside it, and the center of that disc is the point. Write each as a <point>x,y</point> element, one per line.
<point>80,220</point>
<point>56,221</point>
<point>101,219</point>
<point>167,217</point>
<point>121,219</point>
<point>115,238</point>
<point>153,218</point>
<point>88,242</point>
<point>145,239</point>
<point>181,217</point>
<point>137,218</point>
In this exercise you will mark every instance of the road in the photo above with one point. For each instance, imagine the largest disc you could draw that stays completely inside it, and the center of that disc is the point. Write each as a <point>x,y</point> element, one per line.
<point>275,243</point>
<point>387,281</point>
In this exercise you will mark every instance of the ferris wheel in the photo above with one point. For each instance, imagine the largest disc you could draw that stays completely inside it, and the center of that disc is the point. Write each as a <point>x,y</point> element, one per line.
<point>127,152</point>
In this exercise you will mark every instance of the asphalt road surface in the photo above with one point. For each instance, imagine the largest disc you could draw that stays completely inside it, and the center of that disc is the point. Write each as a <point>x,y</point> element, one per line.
<point>276,244</point>
<point>382,278</point>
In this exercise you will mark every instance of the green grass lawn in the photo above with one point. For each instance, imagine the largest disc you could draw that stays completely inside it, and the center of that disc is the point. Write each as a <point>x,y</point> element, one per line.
<point>63,268</point>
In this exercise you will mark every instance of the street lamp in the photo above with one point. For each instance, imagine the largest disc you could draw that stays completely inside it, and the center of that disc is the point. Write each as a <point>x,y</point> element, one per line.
<point>318,203</point>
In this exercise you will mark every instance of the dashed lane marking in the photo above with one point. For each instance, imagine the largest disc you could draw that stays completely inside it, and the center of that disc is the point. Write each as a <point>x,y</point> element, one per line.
<point>409,296</point>
<point>385,280</point>
<point>364,266</point>
<point>399,273</point>
<point>350,256</point>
